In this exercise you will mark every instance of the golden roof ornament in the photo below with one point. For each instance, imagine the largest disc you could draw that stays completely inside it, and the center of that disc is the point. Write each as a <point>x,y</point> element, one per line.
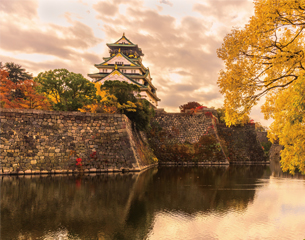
<point>123,34</point>
<point>115,67</point>
<point>119,49</point>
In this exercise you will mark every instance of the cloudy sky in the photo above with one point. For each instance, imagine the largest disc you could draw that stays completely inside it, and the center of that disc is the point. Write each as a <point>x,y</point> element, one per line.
<point>179,39</point>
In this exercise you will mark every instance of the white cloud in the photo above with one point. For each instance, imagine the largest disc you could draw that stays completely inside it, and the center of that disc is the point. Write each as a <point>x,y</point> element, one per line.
<point>179,39</point>
<point>167,2</point>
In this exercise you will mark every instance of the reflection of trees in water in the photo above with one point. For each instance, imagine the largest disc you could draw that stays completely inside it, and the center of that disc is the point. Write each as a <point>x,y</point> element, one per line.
<point>275,167</point>
<point>203,189</point>
<point>119,206</point>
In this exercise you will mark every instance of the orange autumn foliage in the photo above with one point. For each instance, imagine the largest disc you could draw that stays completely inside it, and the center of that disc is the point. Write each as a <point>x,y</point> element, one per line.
<point>5,89</point>
<point>31,98</point>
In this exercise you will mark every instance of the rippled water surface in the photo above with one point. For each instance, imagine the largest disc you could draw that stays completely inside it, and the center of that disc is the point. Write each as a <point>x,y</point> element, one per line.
<point>236,202</point>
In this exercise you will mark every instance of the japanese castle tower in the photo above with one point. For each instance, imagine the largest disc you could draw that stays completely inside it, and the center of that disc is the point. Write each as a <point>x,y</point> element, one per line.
<point>125,64</point>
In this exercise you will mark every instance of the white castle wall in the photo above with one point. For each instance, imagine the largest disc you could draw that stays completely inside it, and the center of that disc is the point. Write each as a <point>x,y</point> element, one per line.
<point>119,58</point>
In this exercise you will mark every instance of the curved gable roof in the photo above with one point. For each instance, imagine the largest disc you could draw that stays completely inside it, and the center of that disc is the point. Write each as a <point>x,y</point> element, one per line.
<point>117,75</point>
<point>124,38</point>
<point>119,54</point>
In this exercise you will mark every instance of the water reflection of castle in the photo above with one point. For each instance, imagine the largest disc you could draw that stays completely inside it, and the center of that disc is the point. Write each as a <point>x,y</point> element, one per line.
<point>120,206</point>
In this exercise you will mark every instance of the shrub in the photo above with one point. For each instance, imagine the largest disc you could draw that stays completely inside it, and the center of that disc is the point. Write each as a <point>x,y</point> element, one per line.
<point>189,105</point>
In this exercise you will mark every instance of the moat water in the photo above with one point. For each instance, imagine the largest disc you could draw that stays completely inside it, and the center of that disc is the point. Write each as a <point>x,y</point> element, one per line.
<point>236,202</point>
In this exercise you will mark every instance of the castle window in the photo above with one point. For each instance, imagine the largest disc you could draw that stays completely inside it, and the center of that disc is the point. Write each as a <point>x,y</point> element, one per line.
<point>123,70</point>
<point>104,70</point>
<point>119,63</point>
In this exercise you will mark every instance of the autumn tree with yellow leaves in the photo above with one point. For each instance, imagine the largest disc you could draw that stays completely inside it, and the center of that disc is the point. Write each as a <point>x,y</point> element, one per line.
<point>105,103</point>
<point>267,58</point>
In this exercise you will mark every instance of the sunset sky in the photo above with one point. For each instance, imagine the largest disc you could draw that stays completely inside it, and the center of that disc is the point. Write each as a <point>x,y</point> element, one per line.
<point>179,39</point>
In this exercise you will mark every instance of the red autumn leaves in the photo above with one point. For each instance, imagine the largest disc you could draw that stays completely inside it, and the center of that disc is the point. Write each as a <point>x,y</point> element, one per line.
<point>79,160</point>
<point>93,155</point>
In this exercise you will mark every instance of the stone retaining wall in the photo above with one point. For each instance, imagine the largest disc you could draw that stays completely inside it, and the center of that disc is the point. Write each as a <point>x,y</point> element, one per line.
<point>241,144</point>
<point>184,137</point>
<point>262,137</point>
<point>34,141</point>
<point>198,139</point>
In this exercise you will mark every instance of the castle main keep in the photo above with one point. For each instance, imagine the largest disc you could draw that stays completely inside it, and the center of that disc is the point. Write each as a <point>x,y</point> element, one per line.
<point>125,64</point>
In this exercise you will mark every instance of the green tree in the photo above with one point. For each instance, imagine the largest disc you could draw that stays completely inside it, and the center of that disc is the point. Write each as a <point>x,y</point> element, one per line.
<point>15,72</point>
<point>139,111</point>
<point>143,114</point>
<point>123,91</point>
<point>266,58</point>
<point>68,91</point>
